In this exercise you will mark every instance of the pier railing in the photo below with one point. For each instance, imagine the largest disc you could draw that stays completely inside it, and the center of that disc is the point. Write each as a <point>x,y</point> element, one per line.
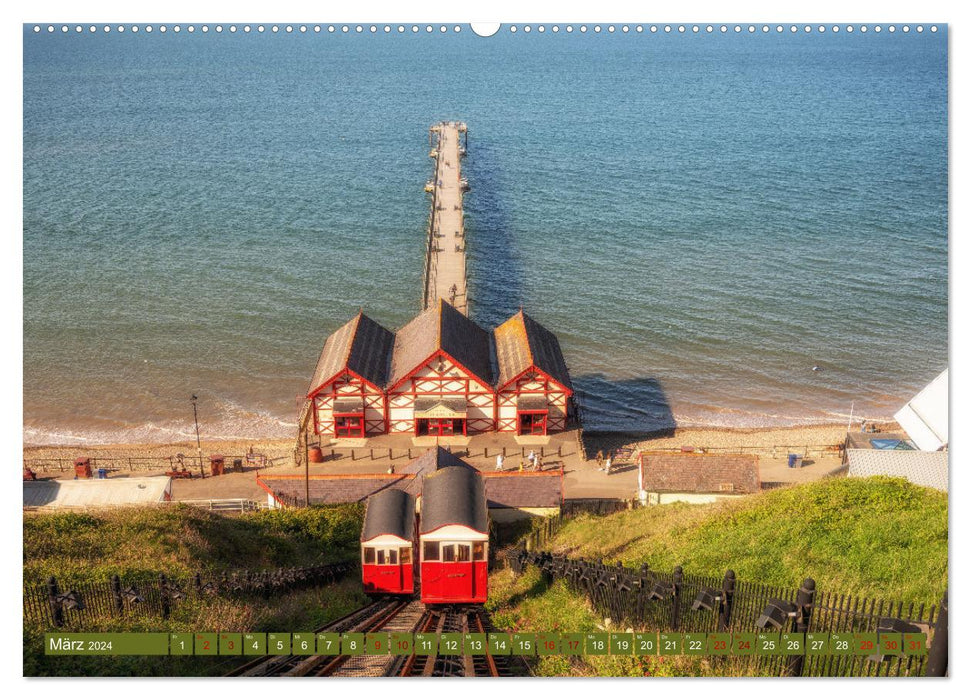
<point>125,463</point>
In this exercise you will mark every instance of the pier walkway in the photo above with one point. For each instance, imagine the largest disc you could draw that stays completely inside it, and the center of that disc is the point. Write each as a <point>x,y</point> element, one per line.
<point>445,274</point>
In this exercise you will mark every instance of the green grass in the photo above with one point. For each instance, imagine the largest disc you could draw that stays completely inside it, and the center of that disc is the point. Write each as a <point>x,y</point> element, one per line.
<point>301,611</point>
<point>180,540</point>
<point>527,604</point>
<point>875,537</point>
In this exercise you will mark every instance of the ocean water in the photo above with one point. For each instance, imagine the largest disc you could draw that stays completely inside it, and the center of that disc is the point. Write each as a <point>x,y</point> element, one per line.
<point>702,219</point>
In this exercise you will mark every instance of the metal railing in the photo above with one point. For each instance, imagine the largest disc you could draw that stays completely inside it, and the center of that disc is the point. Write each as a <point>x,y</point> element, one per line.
<point>667,601</point>
<point>75,605</point>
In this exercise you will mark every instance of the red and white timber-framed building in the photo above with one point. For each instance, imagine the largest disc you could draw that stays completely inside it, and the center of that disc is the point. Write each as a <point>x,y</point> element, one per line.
<point>441,376</point>
<point>533,387</point>
<point>347,390</point>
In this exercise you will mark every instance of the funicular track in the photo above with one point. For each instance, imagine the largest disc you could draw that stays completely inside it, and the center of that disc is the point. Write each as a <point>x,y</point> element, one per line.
<point>361,619</point>
<point>391,615</point>
<point>463,620</point>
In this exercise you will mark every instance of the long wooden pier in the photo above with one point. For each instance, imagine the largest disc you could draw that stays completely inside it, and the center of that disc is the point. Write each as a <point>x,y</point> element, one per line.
<point>445,274</point>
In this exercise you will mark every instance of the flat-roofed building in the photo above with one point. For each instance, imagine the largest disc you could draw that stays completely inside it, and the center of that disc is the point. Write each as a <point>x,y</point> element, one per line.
<point>696,478</point>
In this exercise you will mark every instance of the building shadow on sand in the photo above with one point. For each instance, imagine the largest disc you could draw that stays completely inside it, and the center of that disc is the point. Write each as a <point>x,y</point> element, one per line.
<point>617,412</point>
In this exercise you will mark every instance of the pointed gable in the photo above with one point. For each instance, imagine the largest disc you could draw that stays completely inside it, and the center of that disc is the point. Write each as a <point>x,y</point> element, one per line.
<point>522,343</point>
<point>360,345</point>
<point>441,327</point>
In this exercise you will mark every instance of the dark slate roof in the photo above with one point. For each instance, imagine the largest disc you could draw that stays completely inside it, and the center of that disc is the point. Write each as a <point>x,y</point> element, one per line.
<point>336,489</point>
<point>389,512</point>
<point>454,496</point>
<point>361,345</point>
<point>527,490</point>
<point>693,473</point>
<point>431,461</point>
<point>522,343</point>
<point>441,327</point>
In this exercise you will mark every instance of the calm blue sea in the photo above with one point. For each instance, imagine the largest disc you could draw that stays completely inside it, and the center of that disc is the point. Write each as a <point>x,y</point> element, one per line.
<point>701,218</point>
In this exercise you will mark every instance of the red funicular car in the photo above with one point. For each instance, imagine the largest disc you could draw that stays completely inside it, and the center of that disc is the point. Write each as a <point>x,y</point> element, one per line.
<point>387,538</point>
<point>454,537</point>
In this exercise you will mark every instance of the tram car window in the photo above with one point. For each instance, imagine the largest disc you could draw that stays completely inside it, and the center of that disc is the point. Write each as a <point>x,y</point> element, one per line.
<point>454,535</point>
<point>387,539</point>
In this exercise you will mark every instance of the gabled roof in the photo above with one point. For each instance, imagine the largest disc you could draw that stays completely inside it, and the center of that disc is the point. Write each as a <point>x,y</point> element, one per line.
<point>522,343</point>
<point>454,496</point>
<point>441,327</point>
<point>693,473</point>
<point>921,468</point>
<point>360,345</point>
<point>389,512</point>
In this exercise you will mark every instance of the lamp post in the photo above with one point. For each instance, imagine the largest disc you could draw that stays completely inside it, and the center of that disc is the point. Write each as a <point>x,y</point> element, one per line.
<point>195,416</point>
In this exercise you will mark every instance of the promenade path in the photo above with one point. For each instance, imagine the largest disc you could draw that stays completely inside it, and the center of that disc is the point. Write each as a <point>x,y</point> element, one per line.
<point>445,273</point>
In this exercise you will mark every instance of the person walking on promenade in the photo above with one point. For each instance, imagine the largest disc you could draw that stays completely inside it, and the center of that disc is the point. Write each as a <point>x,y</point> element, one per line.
<point>532,459</point>
<point>608,464</point>
<point>499,461</point>
<point>600,460</point>
<point>522,466</point>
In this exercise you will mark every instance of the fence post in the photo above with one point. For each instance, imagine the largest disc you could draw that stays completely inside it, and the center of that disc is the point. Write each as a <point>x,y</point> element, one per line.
<point>57,613</point>
<point>804,609</point>
<point>163,587</point>
<point>937,657</point>
<point>676,598</point>
<point>197,583</point>
<point>728,597</point>
<point>116,594</point>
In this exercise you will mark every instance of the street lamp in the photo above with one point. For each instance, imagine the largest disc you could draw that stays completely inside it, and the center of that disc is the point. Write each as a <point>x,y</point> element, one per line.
<point>195,416</point>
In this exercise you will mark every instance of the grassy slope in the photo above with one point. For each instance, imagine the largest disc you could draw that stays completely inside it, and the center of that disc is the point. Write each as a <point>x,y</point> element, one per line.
<point>881,537</point>
<point>304,610</point>
<point>180,540</point>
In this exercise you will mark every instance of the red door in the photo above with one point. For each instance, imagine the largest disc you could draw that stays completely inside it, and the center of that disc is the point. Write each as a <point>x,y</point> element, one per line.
<point>457,571</point>
<point>440,427</point>
<point>532,423</point>
<point>349,426</point>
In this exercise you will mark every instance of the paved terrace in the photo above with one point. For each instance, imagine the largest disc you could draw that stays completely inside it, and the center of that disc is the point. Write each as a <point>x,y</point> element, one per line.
<point>445,267</point>
<point>581,478</point>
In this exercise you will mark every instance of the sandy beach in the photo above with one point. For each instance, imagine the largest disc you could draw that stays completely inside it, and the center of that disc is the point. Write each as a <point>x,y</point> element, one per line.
<point>279,452</point>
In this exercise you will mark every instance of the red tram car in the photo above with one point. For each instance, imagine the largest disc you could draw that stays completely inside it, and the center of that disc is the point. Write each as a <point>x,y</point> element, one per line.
<point>454,537</point>
<point>387,538</point>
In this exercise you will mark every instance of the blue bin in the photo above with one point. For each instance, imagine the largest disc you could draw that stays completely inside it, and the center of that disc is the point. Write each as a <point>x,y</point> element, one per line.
<point>102,473</point>
<point>794,460</point>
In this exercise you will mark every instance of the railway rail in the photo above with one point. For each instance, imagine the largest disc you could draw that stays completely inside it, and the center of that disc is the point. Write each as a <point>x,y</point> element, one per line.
<point>358,619</point>
<point>394,615</point>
